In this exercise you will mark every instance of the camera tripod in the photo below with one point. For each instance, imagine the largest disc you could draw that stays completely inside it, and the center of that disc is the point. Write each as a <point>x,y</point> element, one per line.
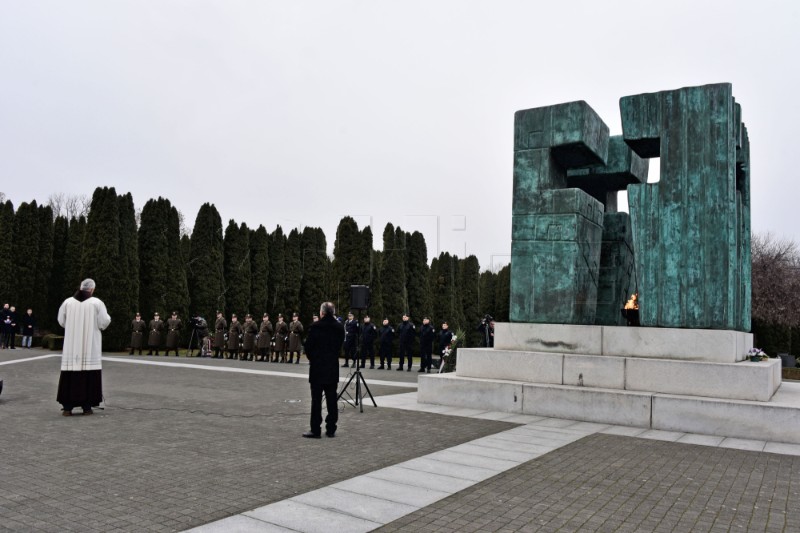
<point>358,399</point>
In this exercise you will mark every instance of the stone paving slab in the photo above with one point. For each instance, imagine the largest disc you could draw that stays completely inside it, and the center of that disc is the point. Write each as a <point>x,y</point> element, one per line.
<point>614,483</point>
<point>176,448</point>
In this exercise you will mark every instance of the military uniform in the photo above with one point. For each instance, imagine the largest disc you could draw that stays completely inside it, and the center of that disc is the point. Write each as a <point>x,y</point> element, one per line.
<point>249,340</point>
<point>295,339</point>
<point>368,335</point>
<point>386,335</point>
<point>220,327</point>
<point>405,331</point>
<point>265,339</point>
<point>281,332</point>
<point>350,340</point>
<point>234,332</point>
<point>156,337</point>
<point>426,336</point>
<point>174,326</point>
<point>138,329</point>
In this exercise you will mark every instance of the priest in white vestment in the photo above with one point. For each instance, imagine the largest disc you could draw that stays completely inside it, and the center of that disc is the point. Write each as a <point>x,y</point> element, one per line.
<point>83,317</point>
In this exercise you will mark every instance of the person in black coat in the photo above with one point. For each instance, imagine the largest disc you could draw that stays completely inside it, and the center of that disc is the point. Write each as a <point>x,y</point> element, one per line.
<point>386,335</point>
<point>28,327</point>
<point>350,340</point>
<point>426,336</point>
<point>322,347</point>
<point>406,332</point>
<point>368,335</point>
<point>444,338</point>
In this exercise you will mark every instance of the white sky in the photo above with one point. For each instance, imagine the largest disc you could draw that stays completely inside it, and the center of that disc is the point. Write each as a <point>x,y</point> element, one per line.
<point>299,112</point>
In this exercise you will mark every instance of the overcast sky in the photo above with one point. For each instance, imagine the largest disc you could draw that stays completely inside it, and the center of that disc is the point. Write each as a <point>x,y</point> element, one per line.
<point>298,112</point>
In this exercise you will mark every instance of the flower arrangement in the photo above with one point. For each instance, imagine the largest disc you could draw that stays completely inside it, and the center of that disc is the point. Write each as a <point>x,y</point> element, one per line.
<point>449,352</point>
<point>757,354</point>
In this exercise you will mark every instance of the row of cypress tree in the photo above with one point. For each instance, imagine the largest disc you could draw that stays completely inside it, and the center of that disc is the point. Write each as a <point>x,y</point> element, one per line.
<point>141,262</point>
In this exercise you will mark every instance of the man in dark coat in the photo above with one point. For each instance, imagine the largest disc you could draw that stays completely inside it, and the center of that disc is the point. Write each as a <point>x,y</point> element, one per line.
<point>156,336</point>
<point>12,314</point>
<point>250,331</point>
<point>444,338</point>
<point>368,335</point>
<point>138,329</point>
<point>295,338</point>
<point>235,331</point>
<point>406,332</point>
<point>350,340</point>
<point>426,336</point>
<point>220,327</point>
<point>386,335</point>
<point>264,338</point>
<point>28,327</point>
<point>323,344</point>
<point>174,327</point>
<point>281,336</point>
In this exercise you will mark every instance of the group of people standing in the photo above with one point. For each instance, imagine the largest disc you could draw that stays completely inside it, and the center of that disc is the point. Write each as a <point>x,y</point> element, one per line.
<point>11,324</point>
<point>406,332</point>
<point>282,342</point>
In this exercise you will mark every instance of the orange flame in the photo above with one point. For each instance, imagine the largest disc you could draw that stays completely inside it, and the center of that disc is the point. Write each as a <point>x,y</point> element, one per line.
<point>632,303</point>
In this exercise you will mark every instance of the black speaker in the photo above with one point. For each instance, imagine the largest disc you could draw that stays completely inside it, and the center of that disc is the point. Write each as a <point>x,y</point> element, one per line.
<point>359,297</point>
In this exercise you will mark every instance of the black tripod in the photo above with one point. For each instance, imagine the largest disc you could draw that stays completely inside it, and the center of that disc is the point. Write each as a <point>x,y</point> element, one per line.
<point>358,399</point>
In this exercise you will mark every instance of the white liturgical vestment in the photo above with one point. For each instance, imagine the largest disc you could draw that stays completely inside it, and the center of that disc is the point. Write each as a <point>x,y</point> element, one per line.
<point>83,341</point>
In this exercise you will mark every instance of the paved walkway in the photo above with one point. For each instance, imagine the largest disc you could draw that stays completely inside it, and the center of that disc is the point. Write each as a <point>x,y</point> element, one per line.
<point>177,448</point>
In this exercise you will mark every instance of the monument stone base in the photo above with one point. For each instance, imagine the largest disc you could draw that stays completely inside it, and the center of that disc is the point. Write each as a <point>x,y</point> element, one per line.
<point>569,372</point>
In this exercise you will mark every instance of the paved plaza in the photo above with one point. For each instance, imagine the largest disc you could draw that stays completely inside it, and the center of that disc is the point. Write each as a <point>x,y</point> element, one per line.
<point>215,445</point>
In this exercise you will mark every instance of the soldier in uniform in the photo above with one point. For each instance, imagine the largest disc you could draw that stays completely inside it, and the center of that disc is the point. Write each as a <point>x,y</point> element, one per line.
<point>368,335</point>
<point>445,337</point>
<point>234,334</point>
<point>281,332</point>
<point>174,326</point>
<point>426,336</point>
<point>350,340</point>
<point>386,334</point>
<point>156,336</point>
<point>264,338</point>
<point>405,331</point>
<point>295,338</point>
<point>138,328</point>
<point>220,327</point>
<point>249,341</point>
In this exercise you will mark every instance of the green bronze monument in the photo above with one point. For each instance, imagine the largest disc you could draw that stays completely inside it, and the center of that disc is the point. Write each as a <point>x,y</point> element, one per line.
<point>685,247</point>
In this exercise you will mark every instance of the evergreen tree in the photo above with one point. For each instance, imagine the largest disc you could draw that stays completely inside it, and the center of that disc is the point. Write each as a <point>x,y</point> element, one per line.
<point>101,262</point>
<point>73,257</point>
<point>6,250</point>
<point>502,291</point>
<point>186,253</point>
<point>350,267</point>
<point>486,294</point>
<point>237,269</point>
<point>25,256</point>
<point>376,289</point>
<point>419,302</point>
<point>294,272</point>
<point>177,284</point>
<point>471,279</point>
<point>443,275</point>
<point>44,269</point>
<point>315,269</point>
<point>55,292</point>
<point>128,260</point>
<point>259,271</point>
<point>153,258</point>
<point>205,265</point>
<point>392,276</point>
<point>277,272</point>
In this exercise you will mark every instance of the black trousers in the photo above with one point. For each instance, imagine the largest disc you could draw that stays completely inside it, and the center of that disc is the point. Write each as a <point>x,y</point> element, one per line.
<point>386,354</point>
<point>426,360</point>
<point>350,350</point>
<point>368,350</point>
<point>405,351</point>
<point>316,408</point>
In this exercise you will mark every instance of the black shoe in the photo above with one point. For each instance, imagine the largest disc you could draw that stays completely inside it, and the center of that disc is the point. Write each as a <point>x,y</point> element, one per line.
<point>87,412</point>
<point>345,365</point>
<point>311,435</point>
<point>380,367</point>
<point>372,366</point>
<point>399,368</point>
<point>330,434</point>
<point>421,370</point>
